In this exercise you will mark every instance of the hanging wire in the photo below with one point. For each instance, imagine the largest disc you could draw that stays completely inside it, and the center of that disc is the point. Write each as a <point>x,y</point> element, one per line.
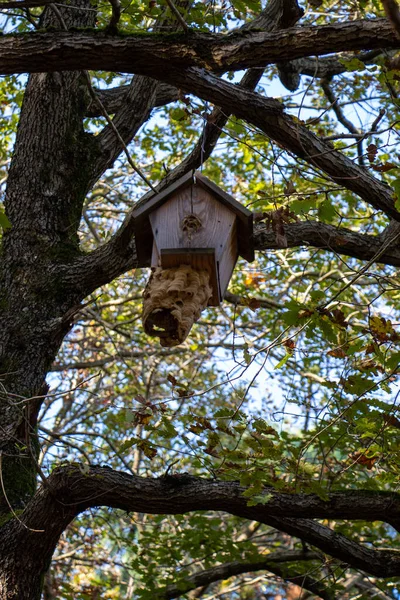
<point>191,192</point>
<point>203,136</point>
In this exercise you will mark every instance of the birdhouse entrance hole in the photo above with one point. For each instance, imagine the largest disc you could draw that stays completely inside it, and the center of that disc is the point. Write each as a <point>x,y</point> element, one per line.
<point>191,235</point>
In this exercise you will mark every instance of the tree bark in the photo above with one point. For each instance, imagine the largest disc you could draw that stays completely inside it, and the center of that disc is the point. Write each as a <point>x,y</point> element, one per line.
<point>152,54</point>
<point>31,540</point>
<point>45,192</point>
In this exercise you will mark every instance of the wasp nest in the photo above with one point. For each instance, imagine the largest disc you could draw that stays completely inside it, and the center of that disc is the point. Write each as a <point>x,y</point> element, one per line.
<point>173,301</point>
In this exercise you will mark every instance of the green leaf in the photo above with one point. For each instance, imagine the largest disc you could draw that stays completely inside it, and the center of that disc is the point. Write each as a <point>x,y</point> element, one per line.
<point>352,64</point>
<point>5,223</point>
<point>284,360</point>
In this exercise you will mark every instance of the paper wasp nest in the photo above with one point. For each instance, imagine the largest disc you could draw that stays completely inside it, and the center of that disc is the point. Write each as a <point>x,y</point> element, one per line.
<point>173,300</point>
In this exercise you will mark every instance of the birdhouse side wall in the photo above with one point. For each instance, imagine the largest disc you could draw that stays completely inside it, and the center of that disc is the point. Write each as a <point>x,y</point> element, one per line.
<point>227,261</point>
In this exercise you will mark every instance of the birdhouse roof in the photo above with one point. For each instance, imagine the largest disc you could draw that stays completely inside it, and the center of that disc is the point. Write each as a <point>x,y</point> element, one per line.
<point>143,231</point>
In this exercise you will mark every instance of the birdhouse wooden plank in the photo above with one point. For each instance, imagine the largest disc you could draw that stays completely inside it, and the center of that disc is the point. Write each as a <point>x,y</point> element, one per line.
<point>205,224</point>
<point>191,235</point>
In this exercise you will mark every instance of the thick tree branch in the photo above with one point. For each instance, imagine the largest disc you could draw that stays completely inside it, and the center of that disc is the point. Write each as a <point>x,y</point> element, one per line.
<point>270,563</point>
<point>70,490</point>
<point>114,98</point>
<point>153,54</point>
<point>340,547</point>
<point>268,115</point>
<point>24,3</point>
<point>328,237</point>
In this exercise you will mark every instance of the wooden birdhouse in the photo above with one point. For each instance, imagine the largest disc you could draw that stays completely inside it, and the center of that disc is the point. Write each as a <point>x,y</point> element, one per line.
<point>191,234</point>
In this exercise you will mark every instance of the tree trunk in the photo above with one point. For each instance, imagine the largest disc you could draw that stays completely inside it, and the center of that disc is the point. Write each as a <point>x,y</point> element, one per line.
<point>46,188</point>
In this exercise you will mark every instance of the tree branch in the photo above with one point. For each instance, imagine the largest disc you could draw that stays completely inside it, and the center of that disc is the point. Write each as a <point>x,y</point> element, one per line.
<point>393,14</point>
<point>264,563</point>
<point>114,98</point>
<point>328,237</point>
<point>277,15</point>
<point>340,547</point>
<point>337,109</point>
<point>154,53</point>
<point>71,490</point>
<point>268,115</point>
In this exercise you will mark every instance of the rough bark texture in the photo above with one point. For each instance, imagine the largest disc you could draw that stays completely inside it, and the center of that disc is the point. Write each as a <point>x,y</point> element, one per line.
<point>154,53</point>
<point>69,491</point>
<point>44,209</point>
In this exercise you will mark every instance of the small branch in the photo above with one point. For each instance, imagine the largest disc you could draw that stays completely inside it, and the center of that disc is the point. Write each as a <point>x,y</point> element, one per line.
<point>178,15</point>
<point>335,105</point>
<point>264,563</point>
<point>393,14</point>
<point>115,17</point>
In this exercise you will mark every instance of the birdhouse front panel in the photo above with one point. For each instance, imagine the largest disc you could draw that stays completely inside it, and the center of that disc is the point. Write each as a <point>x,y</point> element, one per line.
<point>192,220</point>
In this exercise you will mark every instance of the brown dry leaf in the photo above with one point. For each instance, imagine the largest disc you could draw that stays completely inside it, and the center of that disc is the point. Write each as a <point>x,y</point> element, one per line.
<point>338,317</point>
<point>362,459</point>
<point>172,379</point>
<point>147,450</point>
<point>212,452</point>
<point>140,418</point>
<point>385,167</point>
<point>392,421</point>
<point>291,344</point>
<point>372,151</point>
<point>253,304</point>
<point>337,353</point>
<point>381,328</point>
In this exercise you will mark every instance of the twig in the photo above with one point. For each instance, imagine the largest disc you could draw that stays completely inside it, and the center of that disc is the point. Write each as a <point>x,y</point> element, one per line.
<point>116,15</point>
<point>177,14</point>
<point>393,14</point>
<point>378,119</point>
<point>343,120</point>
